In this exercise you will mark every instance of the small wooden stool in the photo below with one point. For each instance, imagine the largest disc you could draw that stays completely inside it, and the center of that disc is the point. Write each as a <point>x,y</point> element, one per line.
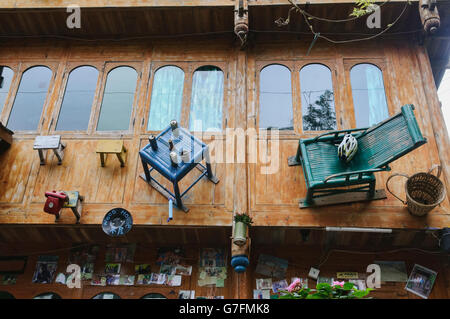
<point>74,203</point>
<point>106,147</point>
<point>52,142</point>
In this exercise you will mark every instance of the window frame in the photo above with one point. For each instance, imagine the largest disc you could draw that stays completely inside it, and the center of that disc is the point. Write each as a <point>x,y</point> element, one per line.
<point>14,66</point>
<point>155,66</point>
<point>71,66</point>
<point>23,67</point>
<point>108,67</point>
<point>290,65</point>
<point>189,67</point>
<point>331,65</point>
<point>379,63</point>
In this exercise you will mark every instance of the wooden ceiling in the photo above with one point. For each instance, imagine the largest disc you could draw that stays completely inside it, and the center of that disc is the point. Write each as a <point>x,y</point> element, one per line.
<point>116,23</point>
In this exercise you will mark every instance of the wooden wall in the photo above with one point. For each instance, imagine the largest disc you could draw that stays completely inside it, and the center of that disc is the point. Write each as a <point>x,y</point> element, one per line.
<point>270,199</point>
<point>284,243</point>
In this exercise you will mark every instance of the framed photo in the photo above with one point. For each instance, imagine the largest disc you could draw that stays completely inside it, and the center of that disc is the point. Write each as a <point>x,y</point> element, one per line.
<point>421,281</point>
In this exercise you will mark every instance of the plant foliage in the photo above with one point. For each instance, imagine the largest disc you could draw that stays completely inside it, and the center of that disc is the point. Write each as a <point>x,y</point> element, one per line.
<point>243,218</point>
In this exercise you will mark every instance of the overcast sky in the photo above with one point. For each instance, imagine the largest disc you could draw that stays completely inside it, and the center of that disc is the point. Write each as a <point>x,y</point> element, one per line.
<point>444,97</point>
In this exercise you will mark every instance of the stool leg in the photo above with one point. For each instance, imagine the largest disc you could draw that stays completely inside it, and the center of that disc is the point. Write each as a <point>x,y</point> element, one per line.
<point>121,157</point>
<point>41,157</point>
<point>177,195</point>
<point>146,171</point>
<point>58,155</point>
<point>102,159</point>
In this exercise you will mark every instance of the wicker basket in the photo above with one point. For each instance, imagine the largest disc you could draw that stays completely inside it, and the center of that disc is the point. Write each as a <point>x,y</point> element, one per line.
<point>424,191</point>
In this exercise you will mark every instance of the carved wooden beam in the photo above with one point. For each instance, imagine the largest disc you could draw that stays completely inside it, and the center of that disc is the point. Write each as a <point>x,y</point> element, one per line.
<point>429,15</point>
<point>241,20</point>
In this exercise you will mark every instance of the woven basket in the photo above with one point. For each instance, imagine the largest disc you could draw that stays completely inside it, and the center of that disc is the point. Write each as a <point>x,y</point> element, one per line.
<point>424,191</point>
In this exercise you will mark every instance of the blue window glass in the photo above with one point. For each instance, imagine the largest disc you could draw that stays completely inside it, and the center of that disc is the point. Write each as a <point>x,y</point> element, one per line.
<point>317,97</point>
<point>275,98</point>
<point>369,97</point>
<point>206,99</point>
<point>30,98</point>
<point>78,98</point>
<point>167,97</point>
<point>117,104</point>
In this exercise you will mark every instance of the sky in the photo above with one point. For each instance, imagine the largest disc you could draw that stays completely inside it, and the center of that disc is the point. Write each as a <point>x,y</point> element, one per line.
<point>444,97</point>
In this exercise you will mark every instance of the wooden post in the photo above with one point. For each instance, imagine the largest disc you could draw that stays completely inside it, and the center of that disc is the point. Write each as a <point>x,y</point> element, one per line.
<point>241,20</point>
<point>241,282</point>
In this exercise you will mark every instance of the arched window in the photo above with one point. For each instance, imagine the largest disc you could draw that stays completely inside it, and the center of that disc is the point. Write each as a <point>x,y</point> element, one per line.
<point>117,104</point>
<point>48,295</point>
<point>167,96</point>
<point>275,98</point>
<point>317,98</point>
<point>78,98</point>
<point>6,75</point>
<point>369,97</point>
<point>30,98</point>
<point>206,99</point>
<point>106,295</point>
<point>153,296</point>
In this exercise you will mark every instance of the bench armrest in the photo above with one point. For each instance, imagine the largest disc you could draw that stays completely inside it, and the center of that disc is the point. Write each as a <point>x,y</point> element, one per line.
<point>360,173</point>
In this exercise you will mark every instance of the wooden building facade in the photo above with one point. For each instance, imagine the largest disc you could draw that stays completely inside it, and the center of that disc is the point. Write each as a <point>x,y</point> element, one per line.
<point>144,37</point>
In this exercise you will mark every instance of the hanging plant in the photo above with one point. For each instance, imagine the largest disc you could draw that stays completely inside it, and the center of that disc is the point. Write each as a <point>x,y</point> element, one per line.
<point>242,221</point>
<point>243,218</point>
<point>362,8</point>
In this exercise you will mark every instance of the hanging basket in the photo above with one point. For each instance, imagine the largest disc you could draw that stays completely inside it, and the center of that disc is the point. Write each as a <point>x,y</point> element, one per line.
<point>424,191</point>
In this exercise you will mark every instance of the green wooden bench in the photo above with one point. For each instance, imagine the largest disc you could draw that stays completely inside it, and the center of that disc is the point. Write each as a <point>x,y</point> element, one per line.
<point>332,181</point>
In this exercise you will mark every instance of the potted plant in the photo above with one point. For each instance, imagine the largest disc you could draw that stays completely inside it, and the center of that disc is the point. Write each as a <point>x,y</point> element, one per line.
<point>242,221</point>
<point>338,290</point>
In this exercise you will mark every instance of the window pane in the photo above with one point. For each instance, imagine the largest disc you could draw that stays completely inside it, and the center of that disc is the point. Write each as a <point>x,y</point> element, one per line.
<point>275,98</point>
<point>317,98</point>
<point>369,98</point>
<point>7,75</point>
<point>207,99</point>
<point>167,96</point>
<point>118,99</point>
<point>77,103</point>
<point>30,98</point>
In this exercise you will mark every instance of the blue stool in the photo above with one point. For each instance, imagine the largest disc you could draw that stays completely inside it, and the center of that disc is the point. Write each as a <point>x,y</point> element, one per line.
<point>163,154</point>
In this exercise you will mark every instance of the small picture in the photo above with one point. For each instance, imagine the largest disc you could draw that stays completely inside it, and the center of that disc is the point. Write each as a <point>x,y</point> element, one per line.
<point>174,280</point>
<point>186,294</point>
<point>264,283</point>
<point>303,281</point>
<point>60,279</point>
<point>170,256</point>
<point>86,271</point>
<point>271,266</point>
<point>325,280</point>
<point>143,269</point>
<point>212,257</point>
<point>277,285</point>
<point>183,270</point>
<point>261,294</point>
<point>167,269</point>
<point>392,271</point>
<point>158,279</point>
<point>144,279</point>
<point>126,280</point>
<point>9,279</point>
<point>360,284</point>
<point>112,269</point>
<point>421,281</point>
<point>45,269</point>
<point>98,280</point>
<point>112,279</point>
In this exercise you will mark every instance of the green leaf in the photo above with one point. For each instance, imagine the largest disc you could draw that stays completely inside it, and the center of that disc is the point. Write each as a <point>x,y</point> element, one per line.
<point>348,286</point>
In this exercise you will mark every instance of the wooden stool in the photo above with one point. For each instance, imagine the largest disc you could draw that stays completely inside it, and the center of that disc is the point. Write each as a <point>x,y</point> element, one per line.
<point>111,147</point>
<point>52,142</point>
<point>74,203</point>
